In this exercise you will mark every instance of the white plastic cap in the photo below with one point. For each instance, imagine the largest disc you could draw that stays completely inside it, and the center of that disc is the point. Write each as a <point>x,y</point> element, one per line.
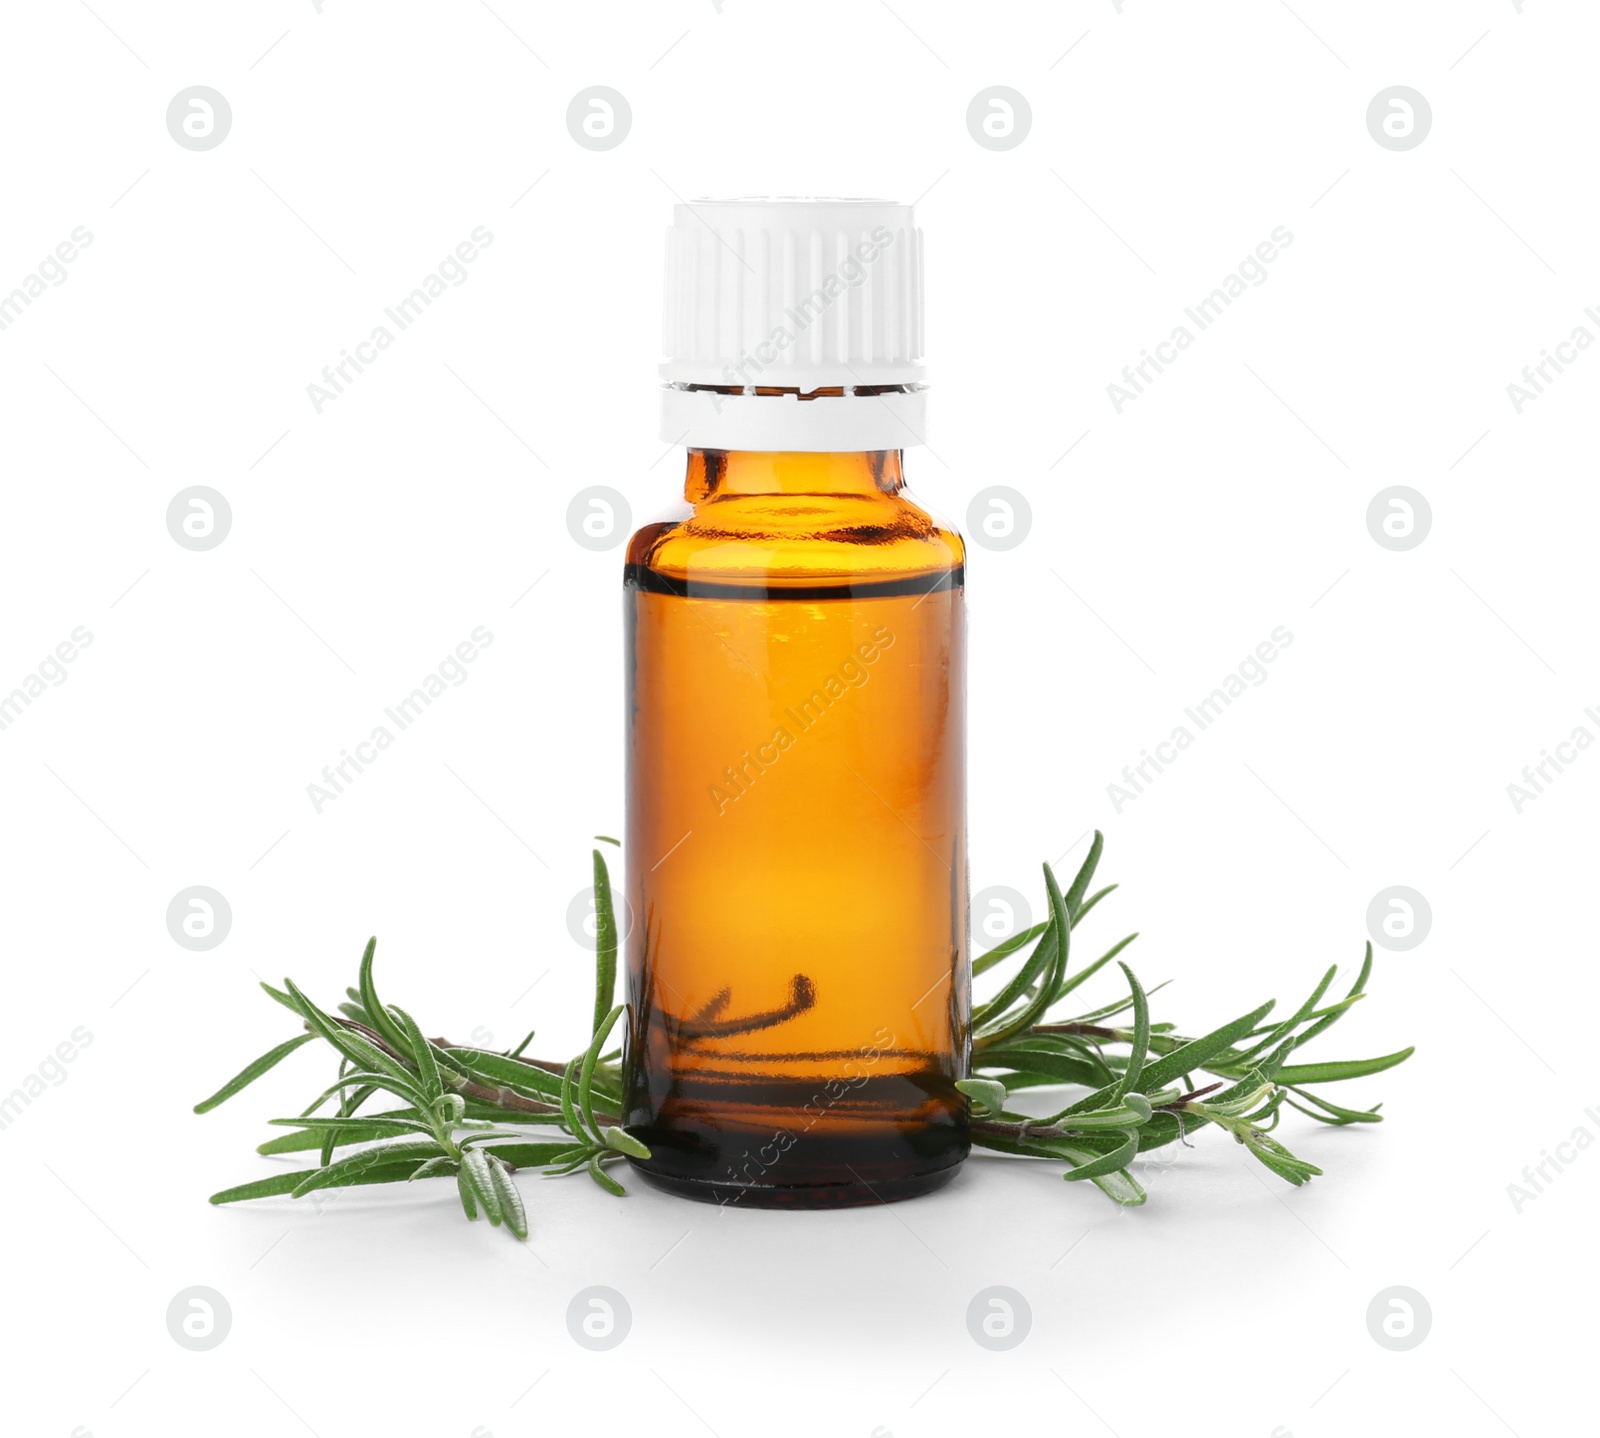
<point>796,295</point>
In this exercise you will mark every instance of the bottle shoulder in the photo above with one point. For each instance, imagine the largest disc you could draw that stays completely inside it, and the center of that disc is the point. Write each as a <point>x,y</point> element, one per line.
<point>753,537</point>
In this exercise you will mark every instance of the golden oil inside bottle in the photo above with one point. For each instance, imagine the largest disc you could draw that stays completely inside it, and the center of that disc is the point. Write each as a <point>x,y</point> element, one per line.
<point>797,963</point>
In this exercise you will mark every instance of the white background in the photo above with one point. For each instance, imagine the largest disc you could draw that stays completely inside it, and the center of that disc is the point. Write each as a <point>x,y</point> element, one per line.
<point>1167,141</point>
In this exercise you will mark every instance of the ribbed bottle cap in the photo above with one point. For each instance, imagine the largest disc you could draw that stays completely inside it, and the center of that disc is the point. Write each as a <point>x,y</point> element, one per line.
<point>796,295</point>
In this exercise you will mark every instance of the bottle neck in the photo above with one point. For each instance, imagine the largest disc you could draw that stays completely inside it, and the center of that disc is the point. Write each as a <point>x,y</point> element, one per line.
<point>714,473</point>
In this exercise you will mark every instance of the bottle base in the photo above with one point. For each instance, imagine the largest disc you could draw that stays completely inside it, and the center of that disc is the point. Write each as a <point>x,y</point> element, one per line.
<point>854,1192</point>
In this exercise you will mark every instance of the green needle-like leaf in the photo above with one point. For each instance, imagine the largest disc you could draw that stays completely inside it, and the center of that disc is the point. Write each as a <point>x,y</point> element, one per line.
<point>987,1095</point>
<point>568,1160</point>
<point>252,1071</point>
<point>624,1142</point>
<point>1085,875</point>
<point>311,1138</point>
<point>349,1101</point>
<point>381,1021</point>
<point>434,1168</point>
<point>1053,1064</point>
<point>1119,1186</point>
<point>1332,1112</point>
<point>1192,1056</point>
<point>335,1175</point>
<point>1006,947</point>
<point>1067,985</point>
<point>1056,946</point>
<point>1333,1072</point>
<point>530,1155</point>
<point>422,1053</point>
<point>478,1140</point>
<point>509,1200</point>
<point>586,1074</point>
<point>1283,1163</point>
<point>1106,1163</point>
<point>1108,1011</point>
<point>354,1130</point>
<point>1043,955</point>
<point>605,941</point>
<point>1140,1045</point>
<point>604,1179</point>
<point>1130,1113</point>
<point>501,1071</point>
<point>286,1183</point>
<point>569,1107</point>
<point>278,996</point>
<point>1088,904</point>
<point>475,1168</point>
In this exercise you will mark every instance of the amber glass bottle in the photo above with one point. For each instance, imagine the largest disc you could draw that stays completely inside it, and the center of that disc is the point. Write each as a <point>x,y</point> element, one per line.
<point>797,966</point>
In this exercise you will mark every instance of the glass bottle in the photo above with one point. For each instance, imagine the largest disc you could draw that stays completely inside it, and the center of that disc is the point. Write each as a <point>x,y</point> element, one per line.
<point>797,967</point>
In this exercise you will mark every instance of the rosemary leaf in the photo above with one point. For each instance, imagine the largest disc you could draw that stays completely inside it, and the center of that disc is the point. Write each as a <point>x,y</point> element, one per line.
<point>624,1142</point>
<point>252,1071</point>
<point>1006,947</point>
<point>379,1015</point>
<point>469,1195</point>
<point>1082,879</point>
<point>604,1179</point>
<point>1106,1163</point>
<point>341,1172</point>
<point>477,1171</point>
<point>1193,1055</point>
<point>1332,1072</point>
<point>586,1074</point>
<point>1067,985</point>
<point>421,1054</point>
<point>507,1197</point>
<point>354,1130</point>
<point>1332,1112</point>
<point>282,1183</point>
<point>605,941</point>
<point>1140,1043</point>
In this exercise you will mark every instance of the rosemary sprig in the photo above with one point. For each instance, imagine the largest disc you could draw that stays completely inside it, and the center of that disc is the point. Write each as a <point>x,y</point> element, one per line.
<point>464,1112</point>
<point>1138,1102</point>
